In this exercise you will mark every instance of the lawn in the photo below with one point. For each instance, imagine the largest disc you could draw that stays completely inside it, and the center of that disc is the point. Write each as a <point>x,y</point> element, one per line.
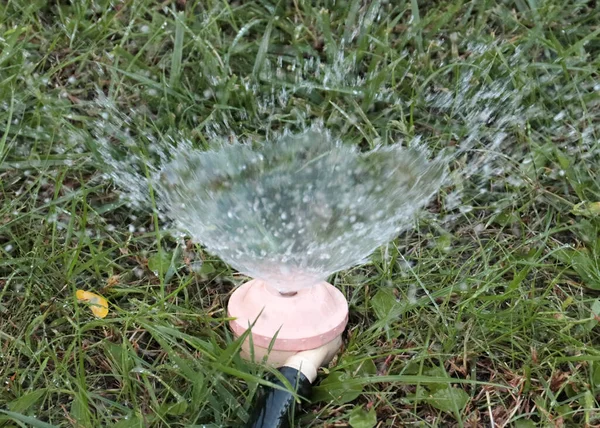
<point>486,314</point>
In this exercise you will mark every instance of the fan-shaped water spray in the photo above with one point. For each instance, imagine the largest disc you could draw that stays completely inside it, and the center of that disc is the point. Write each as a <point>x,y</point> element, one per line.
<point>295,210</point>
<point>303,206</point>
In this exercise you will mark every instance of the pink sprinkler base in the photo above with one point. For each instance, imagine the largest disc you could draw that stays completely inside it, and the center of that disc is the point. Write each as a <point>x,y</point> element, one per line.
<point>312,318</point>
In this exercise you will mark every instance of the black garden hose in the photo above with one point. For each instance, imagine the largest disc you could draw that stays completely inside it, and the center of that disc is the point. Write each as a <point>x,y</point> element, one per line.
<point>274,408</point>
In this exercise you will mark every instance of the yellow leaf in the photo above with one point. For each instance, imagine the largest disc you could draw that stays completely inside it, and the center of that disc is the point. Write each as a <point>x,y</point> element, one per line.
<point>98,304</point>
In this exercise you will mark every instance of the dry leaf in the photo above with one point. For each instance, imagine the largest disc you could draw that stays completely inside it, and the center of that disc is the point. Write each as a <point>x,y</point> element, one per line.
<point>98,304</point>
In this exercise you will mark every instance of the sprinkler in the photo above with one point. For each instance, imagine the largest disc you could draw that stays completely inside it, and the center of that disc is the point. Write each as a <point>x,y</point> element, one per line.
<point>296,331</point>
<point>289,213</point>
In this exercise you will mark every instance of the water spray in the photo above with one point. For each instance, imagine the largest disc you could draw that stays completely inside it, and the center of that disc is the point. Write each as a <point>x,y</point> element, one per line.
<point>289,213</point>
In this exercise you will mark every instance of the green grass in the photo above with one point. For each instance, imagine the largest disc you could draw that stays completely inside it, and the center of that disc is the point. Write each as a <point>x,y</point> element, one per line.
<point>481,316</point>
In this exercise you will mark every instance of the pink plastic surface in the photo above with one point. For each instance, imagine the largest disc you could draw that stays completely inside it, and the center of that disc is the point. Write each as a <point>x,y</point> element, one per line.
<point>307,320</point>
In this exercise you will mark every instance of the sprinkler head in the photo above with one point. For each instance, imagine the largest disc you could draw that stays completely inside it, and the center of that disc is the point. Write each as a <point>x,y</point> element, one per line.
<point>287,323</point>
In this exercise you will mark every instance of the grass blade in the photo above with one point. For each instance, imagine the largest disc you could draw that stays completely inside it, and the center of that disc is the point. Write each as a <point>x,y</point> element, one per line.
<point>262,51</point>
<point>176,58</point>
<point>27,419</point>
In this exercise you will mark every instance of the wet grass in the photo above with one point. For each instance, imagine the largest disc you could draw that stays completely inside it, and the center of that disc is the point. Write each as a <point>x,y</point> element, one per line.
<point>486,315</point>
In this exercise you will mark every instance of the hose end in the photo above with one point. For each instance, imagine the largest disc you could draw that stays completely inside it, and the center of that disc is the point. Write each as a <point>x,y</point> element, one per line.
<point>275,408</point>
